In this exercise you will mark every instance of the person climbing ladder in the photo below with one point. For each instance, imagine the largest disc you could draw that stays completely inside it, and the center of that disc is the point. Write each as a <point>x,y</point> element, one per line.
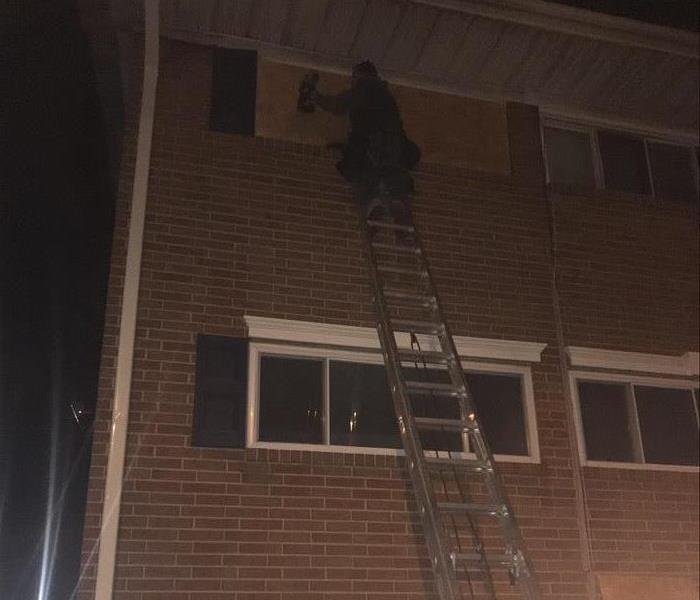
<point>377,156</point>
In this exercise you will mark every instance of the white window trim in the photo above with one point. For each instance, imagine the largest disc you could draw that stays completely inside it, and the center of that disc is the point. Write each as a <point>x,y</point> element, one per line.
<point>592,129</point>
<point>258,348</point>
<point>575,376</point>
<point>687,364</point>
<point>366,338</point>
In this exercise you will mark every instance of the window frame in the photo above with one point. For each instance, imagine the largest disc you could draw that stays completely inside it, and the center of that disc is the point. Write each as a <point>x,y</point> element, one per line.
<point>598,170</point>
<point>257,349</point>
<point>630,381</point>
<point>592,133</point>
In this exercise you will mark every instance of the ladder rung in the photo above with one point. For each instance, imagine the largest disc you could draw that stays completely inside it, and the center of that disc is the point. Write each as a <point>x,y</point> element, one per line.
<point>503,560</point>
<point>494,510</point>
<point>440,389</point>
<point>425,327</point>
<point>397,248</point>
<point>399,294</point>
<point>402,270</point>
<point>460,464</point>
<point>433,358</point>
<point>443,424</point>
<point>387,225</point>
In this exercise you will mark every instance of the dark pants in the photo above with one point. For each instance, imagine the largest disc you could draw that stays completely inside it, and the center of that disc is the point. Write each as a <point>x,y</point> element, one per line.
<point>384,183</point>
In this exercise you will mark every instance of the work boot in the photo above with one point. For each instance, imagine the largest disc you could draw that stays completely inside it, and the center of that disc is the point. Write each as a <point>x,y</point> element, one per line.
<point>377,209</point>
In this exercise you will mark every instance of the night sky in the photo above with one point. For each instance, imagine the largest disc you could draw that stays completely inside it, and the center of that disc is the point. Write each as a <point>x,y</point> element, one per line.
<point>681,14</point>
<point>56,214</point>
<point>55,230</point>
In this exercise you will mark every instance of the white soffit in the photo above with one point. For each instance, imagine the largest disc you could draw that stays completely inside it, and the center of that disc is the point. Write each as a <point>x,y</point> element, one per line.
<point>686,364</point>
<point>347,336</point>
<point>566,60</point>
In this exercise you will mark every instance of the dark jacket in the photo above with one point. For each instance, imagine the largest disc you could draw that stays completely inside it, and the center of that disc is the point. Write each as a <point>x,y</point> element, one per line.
<point>372,110</point>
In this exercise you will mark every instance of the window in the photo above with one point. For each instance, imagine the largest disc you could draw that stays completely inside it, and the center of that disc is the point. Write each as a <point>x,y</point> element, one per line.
<point>643,421</point>
<point>569,158</point>
<point>361,409</point>
<point>291,393</point>
<point>581,157</point>
<point>302,397</point>
<point>624,162</point>
<point>673,171</point>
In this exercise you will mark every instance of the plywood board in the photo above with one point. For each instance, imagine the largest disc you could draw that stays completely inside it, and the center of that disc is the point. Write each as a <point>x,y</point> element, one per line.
<point>449,129</point>
<point>276,107</point>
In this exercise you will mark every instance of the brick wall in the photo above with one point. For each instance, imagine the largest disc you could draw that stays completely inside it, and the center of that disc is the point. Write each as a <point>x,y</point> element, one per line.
<point>250,226</point>
<point>628,280</point>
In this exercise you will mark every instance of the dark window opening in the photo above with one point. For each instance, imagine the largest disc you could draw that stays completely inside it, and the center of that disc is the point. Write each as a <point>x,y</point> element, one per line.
<point>498,400</point>
<point>607,417</point>
<point>668,425</point>
<point>569,158</point>
<point>624,162</point>
<point>291,400</point>
<point>673,172</point>
<point>362,411</point>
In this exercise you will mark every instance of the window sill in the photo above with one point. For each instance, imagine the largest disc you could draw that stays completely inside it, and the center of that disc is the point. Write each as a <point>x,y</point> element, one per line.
<point>501,458</point>
<point>603,464</point>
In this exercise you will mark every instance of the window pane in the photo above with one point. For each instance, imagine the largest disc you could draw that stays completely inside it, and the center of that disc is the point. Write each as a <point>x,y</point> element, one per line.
<point>673,173</point>
<point>668,424</point>
<point>362,412</point>
<point>624,162</point>
<point>499,404</point>
<point>425,405</point>
<point>291,393</point>
<point>607,421</point>
<point>569,158</point>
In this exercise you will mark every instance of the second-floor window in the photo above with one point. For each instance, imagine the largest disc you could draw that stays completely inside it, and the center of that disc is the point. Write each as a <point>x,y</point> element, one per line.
<point>585,158</point>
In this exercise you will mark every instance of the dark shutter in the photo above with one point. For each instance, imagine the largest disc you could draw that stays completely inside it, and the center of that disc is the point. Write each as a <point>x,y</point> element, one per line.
<point>234,82</point>
<point>220,392</point>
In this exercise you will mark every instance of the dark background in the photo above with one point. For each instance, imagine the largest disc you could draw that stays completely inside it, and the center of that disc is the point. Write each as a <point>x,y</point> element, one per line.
<point>680,14</point>
<point>55,229</point>
<point>59,149</point>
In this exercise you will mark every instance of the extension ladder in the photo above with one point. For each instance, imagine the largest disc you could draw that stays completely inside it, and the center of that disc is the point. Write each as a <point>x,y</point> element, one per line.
<point>456,496</point>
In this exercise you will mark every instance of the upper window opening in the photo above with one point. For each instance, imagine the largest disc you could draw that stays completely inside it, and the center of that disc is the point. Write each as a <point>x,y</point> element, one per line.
<point>583,158</point>
<point>672,171</point>
<point>569,157</point>
<point>624,162</point>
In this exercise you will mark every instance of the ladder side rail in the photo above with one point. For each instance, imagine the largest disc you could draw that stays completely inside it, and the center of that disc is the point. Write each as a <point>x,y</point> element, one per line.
<point>474,533</point>
<point>493,482</point>
<point>440,559</point>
